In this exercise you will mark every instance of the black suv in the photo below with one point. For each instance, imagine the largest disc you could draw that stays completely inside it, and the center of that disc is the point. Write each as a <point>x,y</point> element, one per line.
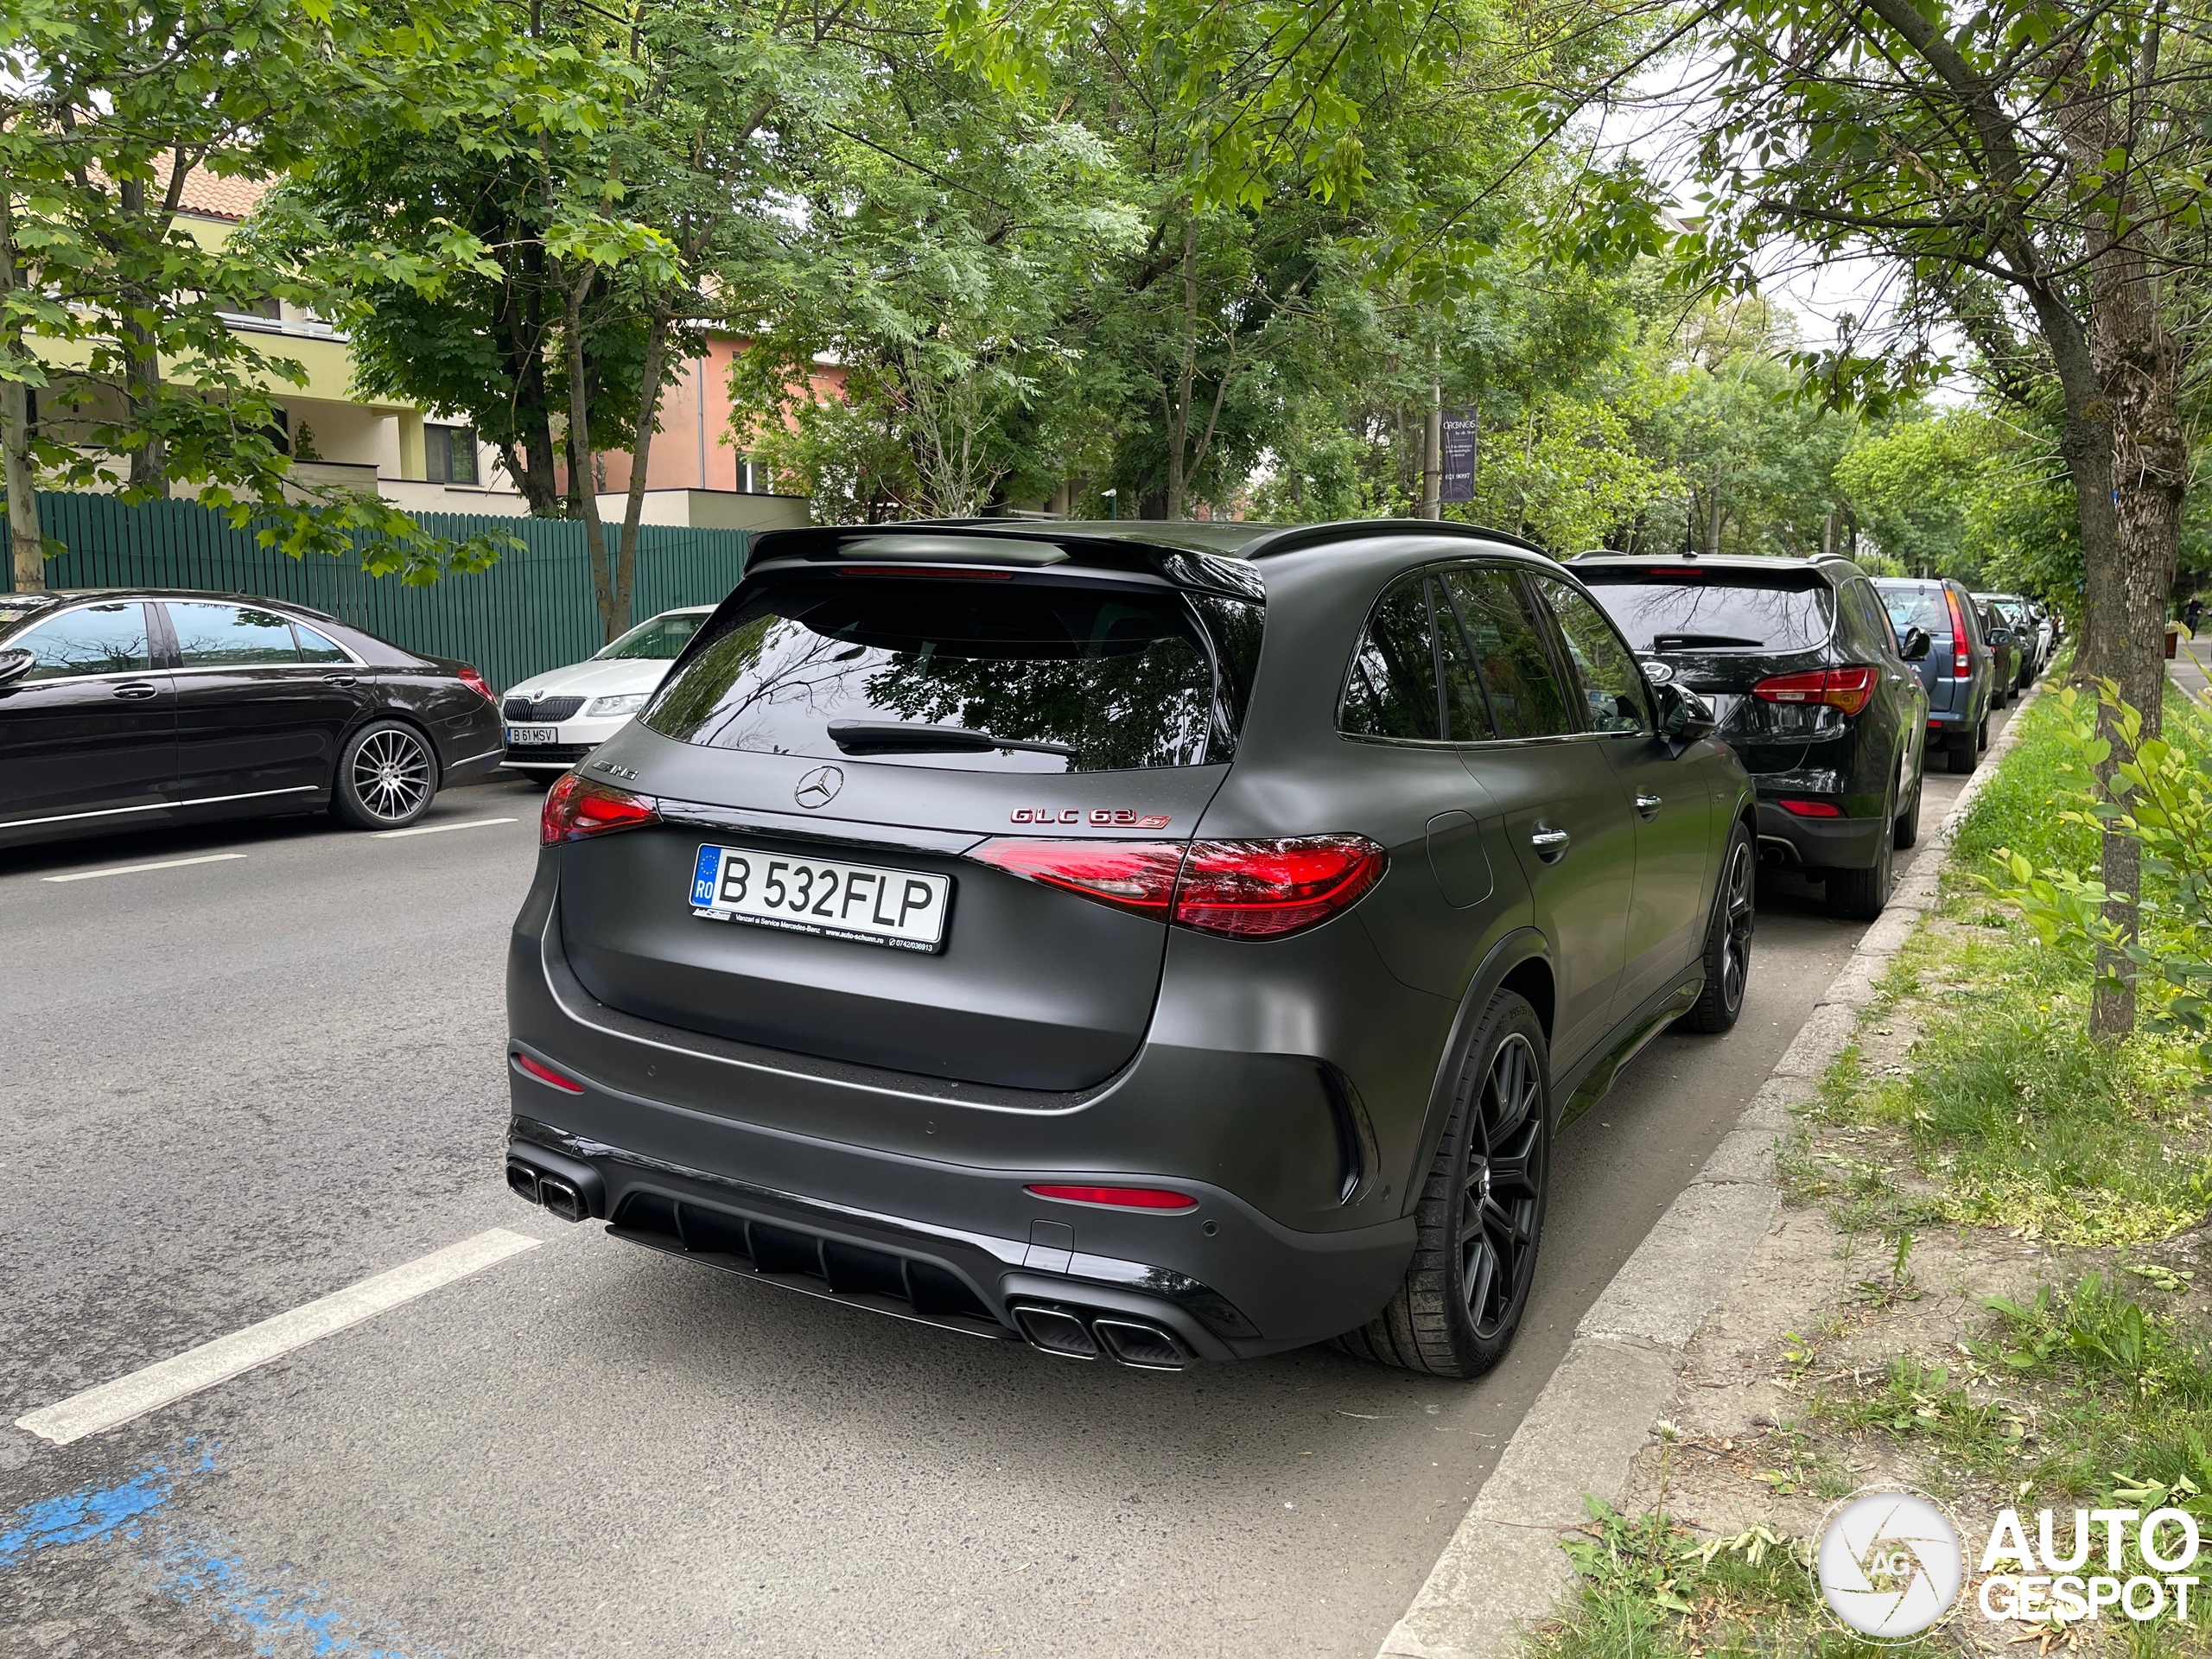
<point>1154,941</point>
<point>1811,688</point>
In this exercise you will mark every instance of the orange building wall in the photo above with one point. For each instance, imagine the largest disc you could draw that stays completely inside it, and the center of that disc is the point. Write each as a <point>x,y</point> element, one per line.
<point>690,451</point>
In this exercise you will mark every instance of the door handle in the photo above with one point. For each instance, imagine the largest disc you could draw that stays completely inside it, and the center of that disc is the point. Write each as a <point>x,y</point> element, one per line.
<point>1648,805</point>
<point>1550,842</point>
<point>340,679</point>
<point>137,690</point>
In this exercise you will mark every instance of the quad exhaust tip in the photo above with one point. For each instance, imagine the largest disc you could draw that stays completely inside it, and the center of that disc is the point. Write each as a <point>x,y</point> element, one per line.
<point>533,1186</point>
<point>1073,1334</point>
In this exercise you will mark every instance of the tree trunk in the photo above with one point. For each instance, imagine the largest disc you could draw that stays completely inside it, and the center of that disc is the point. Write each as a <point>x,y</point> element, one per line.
<point>149,465</point>
<point>625,566</point>
<point>1178,415</point>
<point>1432,454</point>
<point>2134,507</point>
<point>580,456</point>
<point>27,545</point>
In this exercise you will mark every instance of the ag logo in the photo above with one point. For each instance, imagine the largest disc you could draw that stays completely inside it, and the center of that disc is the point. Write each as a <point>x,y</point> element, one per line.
<point>819,787</point>
<point>1889,1563</point>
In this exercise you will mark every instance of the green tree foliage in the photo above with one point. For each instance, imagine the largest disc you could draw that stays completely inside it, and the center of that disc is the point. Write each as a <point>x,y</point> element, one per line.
<point>111,313</point>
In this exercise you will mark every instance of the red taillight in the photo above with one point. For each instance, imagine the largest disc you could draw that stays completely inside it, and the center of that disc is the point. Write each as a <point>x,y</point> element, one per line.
<point>1132,876</point>
<point>576,808</point>
<point>546,1074</point>
<point>1812,808</point>
<point>1961,661</point>
<point>476,683</point>
<point>1126,1198</point>
<point>1847,689</point>
<point>1265,889</point>
<point>1233,887</point>
<point>1241,889</point>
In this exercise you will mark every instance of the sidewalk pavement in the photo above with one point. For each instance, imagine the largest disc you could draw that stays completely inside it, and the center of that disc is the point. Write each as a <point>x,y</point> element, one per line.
<point>2188,675</point>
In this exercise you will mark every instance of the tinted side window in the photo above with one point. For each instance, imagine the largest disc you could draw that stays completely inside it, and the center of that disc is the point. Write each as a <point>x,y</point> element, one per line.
<point>94,639</point>
<point>1864,607</point>
<point>1612,685</point>
<point>1525,697</point>
<point>313,648</point>
<point>1391,691</point>
<point>230,636</point>
<point>1466,705</point>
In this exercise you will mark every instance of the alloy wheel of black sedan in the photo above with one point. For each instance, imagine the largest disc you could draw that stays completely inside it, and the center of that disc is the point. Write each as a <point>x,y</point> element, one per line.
<point>386,778</point>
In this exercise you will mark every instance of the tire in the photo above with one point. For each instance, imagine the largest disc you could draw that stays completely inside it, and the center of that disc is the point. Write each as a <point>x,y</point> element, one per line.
<point>1468,1284</point>
<point>387,777</point>
<point>1728,940</point>
<point>1907,829</point>
<point>1961,756</point>
<point>1859,895</point>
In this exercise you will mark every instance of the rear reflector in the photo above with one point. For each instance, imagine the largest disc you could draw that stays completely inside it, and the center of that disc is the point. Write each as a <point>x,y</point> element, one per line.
<point>1125,1197</point>
<point>1239,889</point>
<point>1847,689</point>
<point>576,808</point>
<point>546,1074</point>
<point>1812,808</point>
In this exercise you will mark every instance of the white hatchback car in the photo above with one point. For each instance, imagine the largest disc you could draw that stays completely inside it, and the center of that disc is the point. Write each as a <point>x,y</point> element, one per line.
<point>556,718</point>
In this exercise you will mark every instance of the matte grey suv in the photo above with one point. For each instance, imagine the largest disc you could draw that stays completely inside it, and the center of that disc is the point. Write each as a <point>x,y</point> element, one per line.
<point>1155,941</point>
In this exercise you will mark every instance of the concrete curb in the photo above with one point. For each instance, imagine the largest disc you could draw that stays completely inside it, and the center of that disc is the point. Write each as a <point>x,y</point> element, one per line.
<point>1503,1570</point>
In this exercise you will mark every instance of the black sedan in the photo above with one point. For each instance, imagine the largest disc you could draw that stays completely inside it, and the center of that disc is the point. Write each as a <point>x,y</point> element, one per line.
<point>120,710</point>
<point>1814,692</point>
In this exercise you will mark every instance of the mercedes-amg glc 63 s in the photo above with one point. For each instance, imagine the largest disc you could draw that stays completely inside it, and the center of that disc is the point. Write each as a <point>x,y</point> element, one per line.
<point>1158,942</point>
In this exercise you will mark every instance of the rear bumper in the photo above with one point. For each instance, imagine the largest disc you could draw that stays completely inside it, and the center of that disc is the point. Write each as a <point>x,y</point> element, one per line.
<point>944,1244</point>
<point>673,1137</point>
<point>1827,843</point>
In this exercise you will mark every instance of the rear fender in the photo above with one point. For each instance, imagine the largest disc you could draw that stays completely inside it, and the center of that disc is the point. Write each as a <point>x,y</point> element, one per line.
<point>1524,948</point>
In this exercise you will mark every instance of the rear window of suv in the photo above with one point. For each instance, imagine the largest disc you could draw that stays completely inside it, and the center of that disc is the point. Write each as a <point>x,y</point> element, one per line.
<point>1916,606</point>
<point>1715,608</point>
<point>1097,677</point>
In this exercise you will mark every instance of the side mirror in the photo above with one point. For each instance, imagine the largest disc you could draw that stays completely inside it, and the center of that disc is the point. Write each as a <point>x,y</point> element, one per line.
<point>1915,646</point>
<point>15,663</point>
<point>1684,716</point>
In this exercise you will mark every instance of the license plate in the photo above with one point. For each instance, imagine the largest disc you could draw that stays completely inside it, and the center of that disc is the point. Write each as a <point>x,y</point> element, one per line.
<point>904,909</point>
<point>520,734</point>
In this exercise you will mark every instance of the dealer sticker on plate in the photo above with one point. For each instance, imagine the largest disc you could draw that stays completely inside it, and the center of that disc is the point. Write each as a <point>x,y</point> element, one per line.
<point>905,909</point>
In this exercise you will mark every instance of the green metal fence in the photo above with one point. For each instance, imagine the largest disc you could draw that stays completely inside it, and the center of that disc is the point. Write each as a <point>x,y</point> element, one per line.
<point>531,611</point>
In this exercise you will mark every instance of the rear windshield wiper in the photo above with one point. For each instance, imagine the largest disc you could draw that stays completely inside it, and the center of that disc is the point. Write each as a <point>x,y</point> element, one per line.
<point>1699,641</point>
<point>898,737</point>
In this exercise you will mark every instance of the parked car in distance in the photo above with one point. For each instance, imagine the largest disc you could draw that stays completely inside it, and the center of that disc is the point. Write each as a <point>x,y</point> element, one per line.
<point>1958,671</point>
<point>555,719</point>
<point>1152,941</point>
<point>1810,690</point>
<point>2007,655</point>
<point>126,709</point>
<point>2011,615</point>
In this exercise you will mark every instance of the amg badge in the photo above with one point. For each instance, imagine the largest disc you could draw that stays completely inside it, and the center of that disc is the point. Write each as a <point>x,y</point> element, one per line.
<point>1099,817</point>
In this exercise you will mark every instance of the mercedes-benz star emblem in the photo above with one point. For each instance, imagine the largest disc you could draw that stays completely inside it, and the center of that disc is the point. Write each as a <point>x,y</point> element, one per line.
<point>819,787</point>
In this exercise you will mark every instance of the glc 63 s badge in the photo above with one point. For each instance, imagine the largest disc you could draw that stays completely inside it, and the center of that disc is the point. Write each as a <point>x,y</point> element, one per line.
<point>1099,817</point>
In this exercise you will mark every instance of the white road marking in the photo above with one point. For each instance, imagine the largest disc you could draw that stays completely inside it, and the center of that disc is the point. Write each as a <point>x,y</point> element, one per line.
<point>170,1380</point>
<point>440,829</point>
<point>134,869</point>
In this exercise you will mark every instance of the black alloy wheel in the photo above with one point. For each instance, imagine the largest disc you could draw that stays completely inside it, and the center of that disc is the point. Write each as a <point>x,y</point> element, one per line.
<point>1481,1215</point>
<point>1728,941</point>
<point>386,777</point>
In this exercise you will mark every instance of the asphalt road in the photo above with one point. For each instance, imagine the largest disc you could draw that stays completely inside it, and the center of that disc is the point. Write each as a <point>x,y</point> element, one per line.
<point>231,1087</point>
